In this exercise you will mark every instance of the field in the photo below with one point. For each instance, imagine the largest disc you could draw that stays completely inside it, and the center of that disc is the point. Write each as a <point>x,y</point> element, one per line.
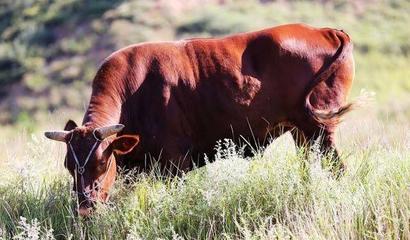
<point>45,77</point>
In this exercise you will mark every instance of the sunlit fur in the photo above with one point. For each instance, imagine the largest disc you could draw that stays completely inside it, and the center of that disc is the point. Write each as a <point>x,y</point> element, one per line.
<point>179,98</point>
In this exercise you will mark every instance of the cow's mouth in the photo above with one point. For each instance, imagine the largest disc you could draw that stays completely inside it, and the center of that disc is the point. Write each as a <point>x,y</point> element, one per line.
<point>84,211</point>
<point>87,206</point>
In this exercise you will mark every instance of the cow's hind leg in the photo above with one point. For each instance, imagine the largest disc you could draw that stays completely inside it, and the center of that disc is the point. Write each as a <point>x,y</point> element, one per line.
<point>325,138</point>
<point>328,147</point>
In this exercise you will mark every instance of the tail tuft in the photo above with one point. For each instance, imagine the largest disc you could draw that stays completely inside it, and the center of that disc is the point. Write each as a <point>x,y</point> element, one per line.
<point>335,116</point>
<point>326,117</point>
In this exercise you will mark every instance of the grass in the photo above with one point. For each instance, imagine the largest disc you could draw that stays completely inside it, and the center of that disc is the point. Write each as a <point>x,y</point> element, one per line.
<point>260,198</point>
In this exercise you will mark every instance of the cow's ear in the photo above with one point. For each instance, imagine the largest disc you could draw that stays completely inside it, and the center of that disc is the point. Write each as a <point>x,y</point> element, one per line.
<point>70,125</point>
<point>124,144</point>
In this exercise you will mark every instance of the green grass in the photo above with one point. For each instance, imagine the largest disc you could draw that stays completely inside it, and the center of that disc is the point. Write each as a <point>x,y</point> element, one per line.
<point>260,198</point>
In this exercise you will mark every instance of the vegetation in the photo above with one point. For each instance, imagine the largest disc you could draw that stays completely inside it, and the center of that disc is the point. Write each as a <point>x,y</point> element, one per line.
<point>49,53</point>
<point>261,198</point>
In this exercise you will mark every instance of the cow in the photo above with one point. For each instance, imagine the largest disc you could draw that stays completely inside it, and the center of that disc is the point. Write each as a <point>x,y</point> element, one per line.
<point>169,102</point>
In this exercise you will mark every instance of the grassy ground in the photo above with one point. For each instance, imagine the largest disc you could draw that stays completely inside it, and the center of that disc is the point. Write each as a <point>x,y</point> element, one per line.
<point>261,198</point>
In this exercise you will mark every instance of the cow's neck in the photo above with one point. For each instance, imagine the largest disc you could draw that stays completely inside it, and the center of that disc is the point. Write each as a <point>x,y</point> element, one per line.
<point>102,111</point>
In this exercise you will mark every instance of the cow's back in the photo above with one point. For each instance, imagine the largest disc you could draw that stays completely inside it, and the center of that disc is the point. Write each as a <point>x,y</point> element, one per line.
<point>183,96</point>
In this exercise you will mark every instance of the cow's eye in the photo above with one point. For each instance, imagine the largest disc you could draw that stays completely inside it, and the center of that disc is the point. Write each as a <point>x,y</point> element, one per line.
<point>102,163</point>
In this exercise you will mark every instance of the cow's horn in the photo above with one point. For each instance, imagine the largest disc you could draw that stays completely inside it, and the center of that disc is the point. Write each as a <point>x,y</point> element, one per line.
<point>104,132</point>
<point>57,135</point>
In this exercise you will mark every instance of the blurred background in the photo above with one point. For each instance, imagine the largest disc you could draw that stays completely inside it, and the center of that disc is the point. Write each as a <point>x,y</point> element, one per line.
<point>50,49</point>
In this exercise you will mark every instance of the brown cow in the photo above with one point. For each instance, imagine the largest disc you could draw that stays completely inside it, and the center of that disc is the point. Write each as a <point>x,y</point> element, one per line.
<point>173,100</point>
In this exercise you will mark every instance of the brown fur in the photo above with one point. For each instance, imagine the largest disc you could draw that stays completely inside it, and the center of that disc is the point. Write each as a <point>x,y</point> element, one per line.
<point>330,116</point>
<point>181,97</point>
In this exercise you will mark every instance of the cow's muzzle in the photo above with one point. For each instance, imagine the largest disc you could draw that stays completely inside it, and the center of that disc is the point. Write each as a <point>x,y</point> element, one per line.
<point>86,204</point>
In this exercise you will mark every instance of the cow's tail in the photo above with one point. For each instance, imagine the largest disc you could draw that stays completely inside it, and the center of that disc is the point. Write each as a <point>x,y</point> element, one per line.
<point>332,116</point>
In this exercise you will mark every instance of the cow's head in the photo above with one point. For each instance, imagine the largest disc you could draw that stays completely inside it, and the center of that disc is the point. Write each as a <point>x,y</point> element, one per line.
<point>91,160</point>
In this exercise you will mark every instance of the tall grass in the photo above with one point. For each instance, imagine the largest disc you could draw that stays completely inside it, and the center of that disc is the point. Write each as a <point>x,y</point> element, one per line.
<point>260,198</point>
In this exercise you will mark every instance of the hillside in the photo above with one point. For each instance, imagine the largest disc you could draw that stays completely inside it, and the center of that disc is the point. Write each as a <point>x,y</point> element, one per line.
<point>50,50</point>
